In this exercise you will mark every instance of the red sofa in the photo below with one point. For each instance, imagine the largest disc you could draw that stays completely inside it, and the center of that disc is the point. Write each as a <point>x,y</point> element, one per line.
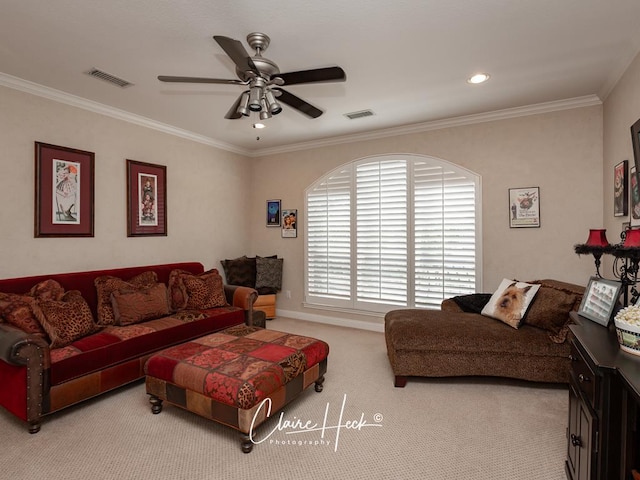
<point>36,380</point>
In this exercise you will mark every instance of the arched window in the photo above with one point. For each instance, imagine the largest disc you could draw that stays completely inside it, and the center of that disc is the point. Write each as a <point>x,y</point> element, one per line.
<point>392,231</point>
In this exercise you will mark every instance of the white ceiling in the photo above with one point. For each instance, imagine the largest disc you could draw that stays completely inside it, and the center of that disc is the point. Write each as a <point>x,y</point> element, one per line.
<point>407,60</point>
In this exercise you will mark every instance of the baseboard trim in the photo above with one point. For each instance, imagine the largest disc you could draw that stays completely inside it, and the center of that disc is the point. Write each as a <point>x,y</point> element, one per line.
<point>340,322</point>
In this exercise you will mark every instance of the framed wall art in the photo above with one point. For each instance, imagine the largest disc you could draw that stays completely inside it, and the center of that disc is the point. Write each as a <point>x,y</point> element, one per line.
<point>599,300</point>
<point>620,189</point>
<point>289,223</point>
<point>146,199</point>
<point>524,207</point>
<point>273,213</point>
<point>634,197</point>
<point>64,192</point>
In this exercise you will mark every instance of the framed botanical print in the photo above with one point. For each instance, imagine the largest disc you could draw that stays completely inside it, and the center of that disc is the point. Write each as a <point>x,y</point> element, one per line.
<point>64,191</point>
<point>146,199</point>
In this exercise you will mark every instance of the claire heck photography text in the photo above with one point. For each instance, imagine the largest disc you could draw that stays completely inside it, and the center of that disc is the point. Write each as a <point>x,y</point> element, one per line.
<point>319,433</point>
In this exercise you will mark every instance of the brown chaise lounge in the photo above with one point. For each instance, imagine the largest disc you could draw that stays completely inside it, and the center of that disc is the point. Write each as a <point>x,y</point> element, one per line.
<point>452,342</point>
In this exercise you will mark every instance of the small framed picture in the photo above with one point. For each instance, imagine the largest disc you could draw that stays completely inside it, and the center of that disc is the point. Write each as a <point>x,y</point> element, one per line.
<point>524,207</point>
<point>273,213</point>
<point>620,195</point>
<point>289,223</point>
<point>599,300</point>
<point>146,199</point>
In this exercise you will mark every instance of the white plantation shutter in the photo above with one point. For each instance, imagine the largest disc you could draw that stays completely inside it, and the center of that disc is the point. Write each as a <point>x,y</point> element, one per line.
<point>392,231</point>
<point>381,232</point>
<point>328,239</point>
<point>445,234</point>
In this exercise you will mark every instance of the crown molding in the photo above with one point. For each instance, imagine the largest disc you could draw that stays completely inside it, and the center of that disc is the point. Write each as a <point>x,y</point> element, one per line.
<point>79,102</point>
<point>75,101</point>
<point>508,113</point>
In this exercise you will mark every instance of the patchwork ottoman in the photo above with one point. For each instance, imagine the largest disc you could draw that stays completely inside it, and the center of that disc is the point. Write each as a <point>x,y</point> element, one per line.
<point>228,376</point>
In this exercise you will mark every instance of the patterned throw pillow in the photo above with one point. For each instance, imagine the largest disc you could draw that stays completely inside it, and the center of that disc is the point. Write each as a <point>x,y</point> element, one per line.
<point>19,311</point>
<point>240,271</point>
<point>136,306</point>
<point>510,302</point>
<point>269,273</point>
<point>550,311</point>
<point>107,284</point>
<point>47,290</point>
<point>196,292</point>
<point>66,320</point>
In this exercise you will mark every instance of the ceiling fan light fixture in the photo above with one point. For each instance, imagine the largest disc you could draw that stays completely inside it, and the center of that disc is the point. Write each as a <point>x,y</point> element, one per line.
<point>258,125</point>
<point>264,112</point>
<point>243,106</point>
<point>255,96</point>
<point>274,106</point>
<point>479,78</point>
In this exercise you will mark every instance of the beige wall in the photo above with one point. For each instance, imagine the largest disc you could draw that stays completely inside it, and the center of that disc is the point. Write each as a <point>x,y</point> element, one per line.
<point>561,152</point>
<point>209,189</point>
<point>206,187</point>
<point>621,110</point>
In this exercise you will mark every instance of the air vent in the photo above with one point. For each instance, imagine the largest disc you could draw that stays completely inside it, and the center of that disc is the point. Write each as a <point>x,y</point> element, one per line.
<point>360,114</point>
<point>107,77</point>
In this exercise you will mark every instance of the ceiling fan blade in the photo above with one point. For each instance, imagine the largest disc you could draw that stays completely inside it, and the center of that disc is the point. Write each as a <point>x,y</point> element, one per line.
<point>329,74</point>
<point>233,113</point>
<point>169,78</point>
<point>236,52</point>
<point>297,103</point>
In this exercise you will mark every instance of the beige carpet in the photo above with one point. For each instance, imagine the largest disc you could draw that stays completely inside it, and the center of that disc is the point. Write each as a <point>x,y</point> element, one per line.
<point>478,429</point>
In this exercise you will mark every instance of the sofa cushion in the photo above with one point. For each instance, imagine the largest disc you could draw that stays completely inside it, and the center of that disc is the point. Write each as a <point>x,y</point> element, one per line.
<point>269,273</point>
<point>19,311</point>
<point>117,344</point>
<point>510,302</point>
<point>107,284</point>
<point>240,271</point>
<point>551,307</point>
<point>134,306</point>
<point>472,303</point>
<point>196,292</point>
<point>47,290</point>
<point>67,319</point>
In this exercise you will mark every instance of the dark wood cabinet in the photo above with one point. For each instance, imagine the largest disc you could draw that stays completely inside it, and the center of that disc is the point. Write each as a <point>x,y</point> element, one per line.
<point>603,438</point>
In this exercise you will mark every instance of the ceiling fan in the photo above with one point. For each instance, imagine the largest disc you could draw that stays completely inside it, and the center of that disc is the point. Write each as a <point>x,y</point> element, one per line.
<point>263,79</point>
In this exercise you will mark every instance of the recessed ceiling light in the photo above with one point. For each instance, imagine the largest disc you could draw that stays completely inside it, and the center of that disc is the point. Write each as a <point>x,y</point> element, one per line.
<point>258,125</point>
<point>479,78</point>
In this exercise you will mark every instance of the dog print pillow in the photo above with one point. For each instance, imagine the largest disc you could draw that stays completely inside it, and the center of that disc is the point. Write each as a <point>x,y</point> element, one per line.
<point>510,302</point>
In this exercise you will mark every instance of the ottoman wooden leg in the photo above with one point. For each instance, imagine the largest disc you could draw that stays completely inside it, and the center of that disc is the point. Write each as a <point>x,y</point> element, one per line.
<point>247,444</point>
<point>156,404</point>
<point>319,383</point>
<point>401,381</point>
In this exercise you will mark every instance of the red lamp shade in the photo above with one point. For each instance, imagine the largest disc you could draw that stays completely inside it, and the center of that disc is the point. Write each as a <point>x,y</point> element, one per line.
<point>598,238</point>
<point>632,238</point>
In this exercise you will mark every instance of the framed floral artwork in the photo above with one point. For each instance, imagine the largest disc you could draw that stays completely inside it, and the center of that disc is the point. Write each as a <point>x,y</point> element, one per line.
<point>64,191</point>
<point>146,199</point>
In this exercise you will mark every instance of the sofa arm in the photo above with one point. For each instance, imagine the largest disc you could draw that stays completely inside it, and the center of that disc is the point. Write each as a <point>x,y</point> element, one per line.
<point>242,297</point>
<point>31,354</point>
